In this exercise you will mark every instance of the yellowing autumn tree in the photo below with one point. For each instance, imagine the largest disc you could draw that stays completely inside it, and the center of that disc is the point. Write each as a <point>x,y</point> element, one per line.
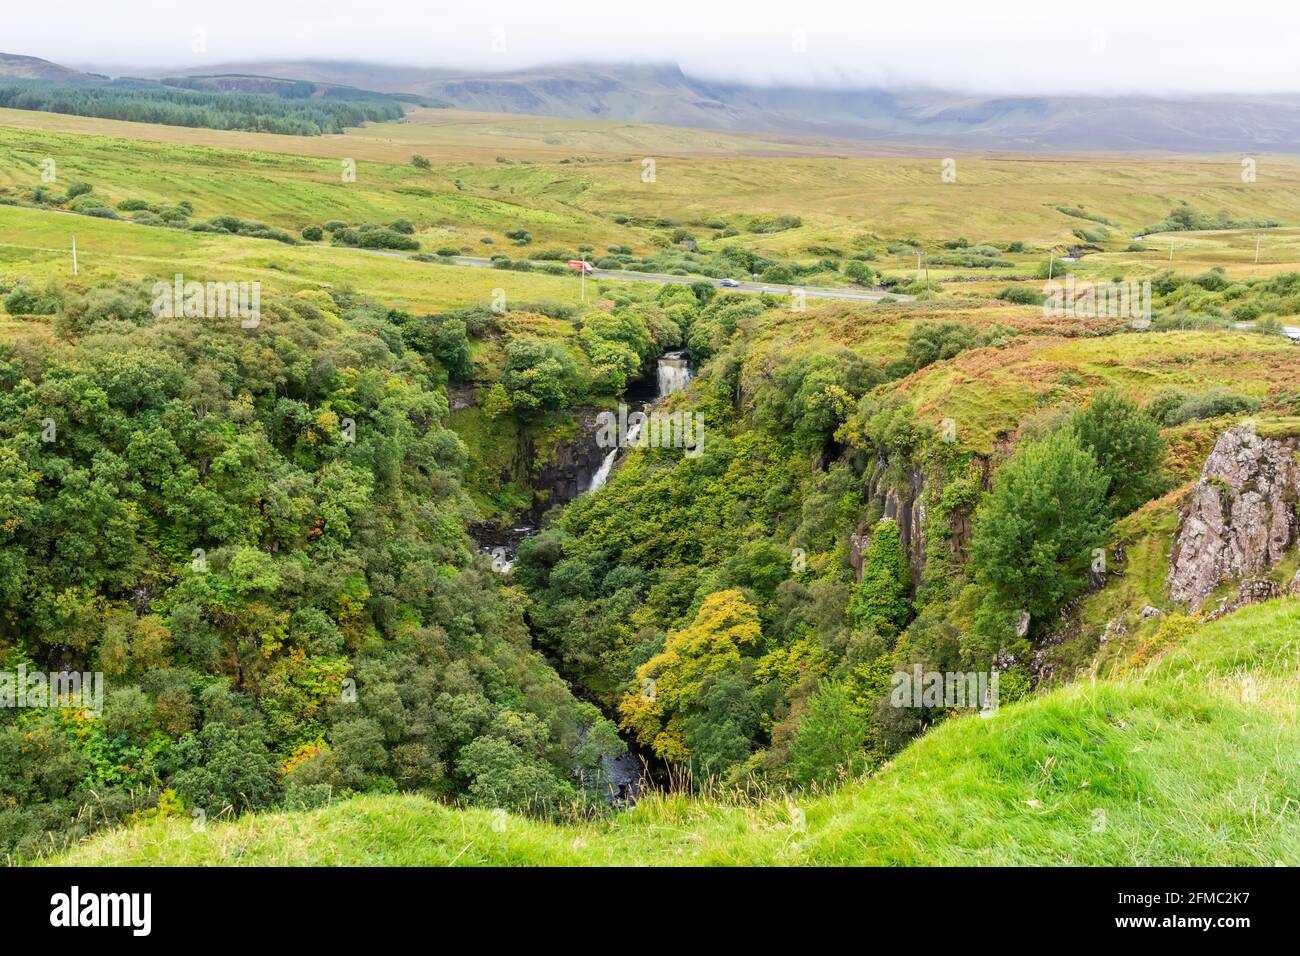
<point>668,685</point>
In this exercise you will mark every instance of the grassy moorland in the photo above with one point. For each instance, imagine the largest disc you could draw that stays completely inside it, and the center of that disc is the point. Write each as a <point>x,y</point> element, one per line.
<point>801,201</point>
<point>37,245</point>
<point>987,392</point>
<point>466,136</point>
<point>1187,761</point>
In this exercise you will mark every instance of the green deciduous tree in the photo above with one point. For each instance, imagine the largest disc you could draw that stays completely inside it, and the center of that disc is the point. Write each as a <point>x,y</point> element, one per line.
<point>538,374</point>
<point>830,739</point>
<point>721,727</point>
<point>1126,443</point>
<point>669,685</point>
<point>1035,535</point>
<point>224,766</point>
<point>881,598</point>
<point>502,775</point>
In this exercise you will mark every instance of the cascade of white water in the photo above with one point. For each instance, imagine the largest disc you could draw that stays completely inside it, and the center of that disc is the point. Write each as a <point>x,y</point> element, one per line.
<point>602,473</point>
<point>674,375</point>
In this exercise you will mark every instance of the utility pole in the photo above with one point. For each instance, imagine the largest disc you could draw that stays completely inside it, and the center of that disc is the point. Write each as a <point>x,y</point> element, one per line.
<point>1051,262</point>
<point>1258,237</point>
<point>927,275</point>
<point>918,267</point>
<point>74,255</point>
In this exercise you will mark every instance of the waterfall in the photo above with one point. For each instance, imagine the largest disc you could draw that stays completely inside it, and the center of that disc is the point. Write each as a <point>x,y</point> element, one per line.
<point>602,473</point>
<point>674,373</point>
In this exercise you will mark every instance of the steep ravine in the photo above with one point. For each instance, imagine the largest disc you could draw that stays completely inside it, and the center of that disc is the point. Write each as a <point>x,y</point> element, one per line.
<point>572,468</point>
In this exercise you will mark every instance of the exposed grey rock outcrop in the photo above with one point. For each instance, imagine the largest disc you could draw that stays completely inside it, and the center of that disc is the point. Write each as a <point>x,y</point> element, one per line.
<point>1240,517</point>
<point>564,471</point>
<point>903,500</point>
<point>1253,591</point>
<point>903,505</point>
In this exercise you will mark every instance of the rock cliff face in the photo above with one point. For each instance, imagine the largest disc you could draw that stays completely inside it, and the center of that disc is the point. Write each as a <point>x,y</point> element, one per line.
<point>564,471</point>
<point>905,504</point>
<point>902,505</point>
<point>1240,517</point>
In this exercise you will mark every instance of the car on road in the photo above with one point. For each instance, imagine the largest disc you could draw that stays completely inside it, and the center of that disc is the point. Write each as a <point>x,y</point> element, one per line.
<point>729,283</point>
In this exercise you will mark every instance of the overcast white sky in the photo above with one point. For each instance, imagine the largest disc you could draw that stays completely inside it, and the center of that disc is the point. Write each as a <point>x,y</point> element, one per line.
<point>1104,46</point>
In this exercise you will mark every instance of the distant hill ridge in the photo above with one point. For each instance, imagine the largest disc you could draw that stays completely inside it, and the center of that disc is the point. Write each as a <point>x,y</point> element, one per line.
<point>15,67</point>
<point>663,93</point>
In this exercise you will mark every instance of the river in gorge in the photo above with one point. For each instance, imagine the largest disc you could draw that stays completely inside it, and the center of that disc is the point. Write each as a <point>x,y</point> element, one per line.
<point>623,774</point>
<point>672,374</point>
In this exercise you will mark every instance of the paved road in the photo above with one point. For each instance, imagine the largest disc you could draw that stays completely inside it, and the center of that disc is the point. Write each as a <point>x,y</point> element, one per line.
<point>812,292</point>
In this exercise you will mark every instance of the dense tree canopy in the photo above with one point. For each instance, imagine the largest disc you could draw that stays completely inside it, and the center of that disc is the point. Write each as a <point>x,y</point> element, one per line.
<point>257,535</point>
<point>149,103</point>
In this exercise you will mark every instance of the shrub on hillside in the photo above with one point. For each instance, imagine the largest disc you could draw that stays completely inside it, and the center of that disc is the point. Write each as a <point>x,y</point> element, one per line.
<point>1020,295</point>
<point>27,300</point>
<point>375,237</point>
<point>929,342</point>
<point>136,205</point>
<point>1174,406</point>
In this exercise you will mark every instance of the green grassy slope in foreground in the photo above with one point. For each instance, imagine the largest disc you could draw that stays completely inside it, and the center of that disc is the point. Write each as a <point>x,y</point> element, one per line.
<point>1194,760</point>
